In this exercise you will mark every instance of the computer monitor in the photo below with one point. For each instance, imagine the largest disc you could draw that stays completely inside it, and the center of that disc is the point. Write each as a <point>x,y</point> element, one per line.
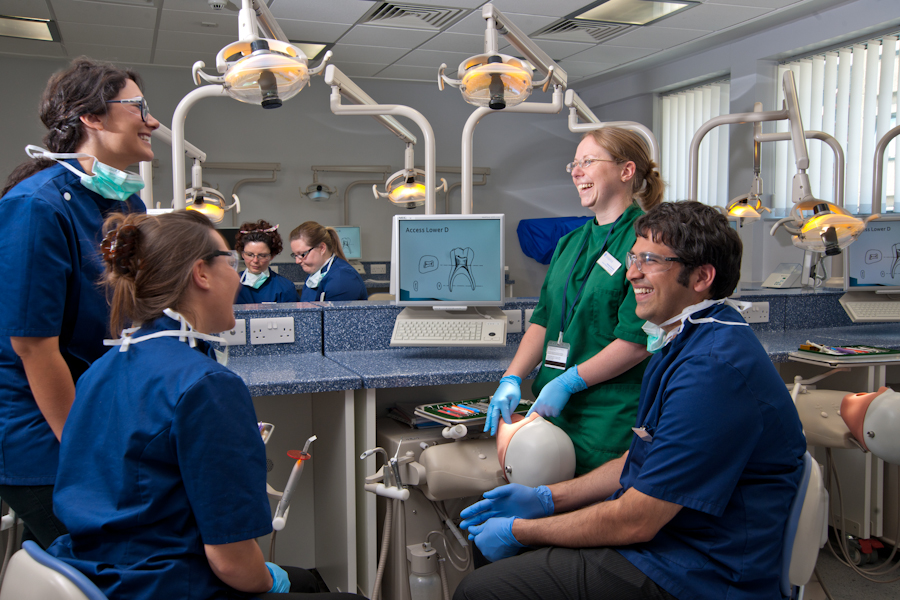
<point>350,242</point>
<point>230,234</point>
<point>872,262</point>
<point>447,260</point>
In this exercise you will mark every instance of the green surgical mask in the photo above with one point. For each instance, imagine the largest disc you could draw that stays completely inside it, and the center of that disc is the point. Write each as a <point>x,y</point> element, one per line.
<point>109,182</point>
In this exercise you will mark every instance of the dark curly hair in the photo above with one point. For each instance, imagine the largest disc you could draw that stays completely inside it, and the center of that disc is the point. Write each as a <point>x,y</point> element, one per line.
<point>259,232</point>
<point>81,89</point>
<point>699,235</point>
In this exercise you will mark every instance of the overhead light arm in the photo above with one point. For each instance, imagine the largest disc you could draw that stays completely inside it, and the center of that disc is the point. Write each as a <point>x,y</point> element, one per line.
<point>878,174</point>
<point>178,151</point>
<point>578,109</point>
<point>349,89</point>
<point>521,42</point>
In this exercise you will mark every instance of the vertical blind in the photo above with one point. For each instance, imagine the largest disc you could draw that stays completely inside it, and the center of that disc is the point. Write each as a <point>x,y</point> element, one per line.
<point>682,115</point>
<point>850,93</point>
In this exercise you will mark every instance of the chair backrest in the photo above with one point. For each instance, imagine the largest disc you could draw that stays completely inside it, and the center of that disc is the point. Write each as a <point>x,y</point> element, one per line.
<point>33,574</point>
<point>807,528</point>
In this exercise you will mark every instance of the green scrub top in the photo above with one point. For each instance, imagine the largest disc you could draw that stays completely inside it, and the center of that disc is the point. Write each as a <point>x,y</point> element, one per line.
<point>599,419</point>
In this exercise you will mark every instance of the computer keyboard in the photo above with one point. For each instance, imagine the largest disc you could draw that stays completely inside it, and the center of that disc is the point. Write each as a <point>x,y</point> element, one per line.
<point>426,327</point>
<point>872,309</point>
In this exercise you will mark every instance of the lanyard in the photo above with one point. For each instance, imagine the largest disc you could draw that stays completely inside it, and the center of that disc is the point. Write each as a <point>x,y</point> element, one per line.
<point>567,311</point>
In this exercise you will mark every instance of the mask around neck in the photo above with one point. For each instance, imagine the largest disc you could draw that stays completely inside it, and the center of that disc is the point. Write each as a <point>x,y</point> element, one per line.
<point>254,281</point>
<point>315,279</point>
<point>658,338</point>
<point>107,181</point>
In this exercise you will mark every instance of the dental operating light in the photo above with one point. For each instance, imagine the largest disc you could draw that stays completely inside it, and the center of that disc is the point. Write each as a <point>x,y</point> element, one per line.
<point>318,192</point>
<point>403,187</point>
<point>206,200</point>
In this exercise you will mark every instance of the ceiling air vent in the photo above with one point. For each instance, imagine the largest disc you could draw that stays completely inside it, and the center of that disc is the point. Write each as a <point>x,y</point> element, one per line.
<point>413,16</point>
<point>572,30</point>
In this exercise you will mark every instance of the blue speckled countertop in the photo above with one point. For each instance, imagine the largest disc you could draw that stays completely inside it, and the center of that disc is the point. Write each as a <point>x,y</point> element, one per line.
<point>274,375</point>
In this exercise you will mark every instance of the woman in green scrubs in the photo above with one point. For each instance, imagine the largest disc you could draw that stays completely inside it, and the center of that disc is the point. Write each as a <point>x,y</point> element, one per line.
<point>584,333</point>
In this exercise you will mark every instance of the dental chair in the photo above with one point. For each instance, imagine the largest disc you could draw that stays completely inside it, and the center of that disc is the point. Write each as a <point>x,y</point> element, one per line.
<point>33,574</point>
<point>807,530</point>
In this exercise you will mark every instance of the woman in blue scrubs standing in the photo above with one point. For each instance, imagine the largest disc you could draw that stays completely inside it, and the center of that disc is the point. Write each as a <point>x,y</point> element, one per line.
<point>54,314</point>
<point>258,243</point>
<point>162,471</point>
<point>330,277</point>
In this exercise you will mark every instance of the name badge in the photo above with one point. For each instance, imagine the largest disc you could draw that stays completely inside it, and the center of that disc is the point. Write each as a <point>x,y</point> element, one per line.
<point>557,355</point>
<point>643,434</point>
<point>609,263</point>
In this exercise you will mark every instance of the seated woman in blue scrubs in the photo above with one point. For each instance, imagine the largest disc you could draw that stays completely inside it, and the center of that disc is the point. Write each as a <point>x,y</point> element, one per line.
<point>162,478</point>
<point>317,250</point>
<point>258,243</point>
<point>54,315</point>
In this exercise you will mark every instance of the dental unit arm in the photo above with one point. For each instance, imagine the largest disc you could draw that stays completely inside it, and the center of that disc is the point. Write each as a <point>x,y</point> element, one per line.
<point>281,511</point>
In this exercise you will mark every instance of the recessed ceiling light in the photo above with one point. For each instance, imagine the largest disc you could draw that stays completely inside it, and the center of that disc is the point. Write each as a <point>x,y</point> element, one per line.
<point>634,12</point>
<point>29,29</point>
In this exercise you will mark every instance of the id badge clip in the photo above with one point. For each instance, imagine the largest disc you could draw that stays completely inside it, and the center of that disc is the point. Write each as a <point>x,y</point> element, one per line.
<point>557,354</point>
<point>643,433</point>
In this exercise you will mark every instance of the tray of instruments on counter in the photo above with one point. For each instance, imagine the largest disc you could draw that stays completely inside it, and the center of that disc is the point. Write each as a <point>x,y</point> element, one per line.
<point>467,412</point>
<point>855,354</point>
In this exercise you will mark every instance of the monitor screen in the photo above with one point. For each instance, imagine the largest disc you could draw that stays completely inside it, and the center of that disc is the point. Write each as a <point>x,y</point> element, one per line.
<point>230,234</point>
<point>447,260</point>
<point>872,262</point>
<point>350,242</point>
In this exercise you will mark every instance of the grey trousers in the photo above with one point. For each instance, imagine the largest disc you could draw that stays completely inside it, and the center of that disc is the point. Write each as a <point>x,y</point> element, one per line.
<point>563,573</point>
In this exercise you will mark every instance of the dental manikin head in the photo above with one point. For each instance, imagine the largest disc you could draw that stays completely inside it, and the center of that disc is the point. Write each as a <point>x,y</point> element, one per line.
<point>532,451</point>
<point>874,420</point>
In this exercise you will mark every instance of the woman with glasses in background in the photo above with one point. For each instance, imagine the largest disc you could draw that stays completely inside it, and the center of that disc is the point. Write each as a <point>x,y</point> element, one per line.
<point>55,315</point>
<point>318,251</point>
<point>584,333</point>
<point>258,243</point>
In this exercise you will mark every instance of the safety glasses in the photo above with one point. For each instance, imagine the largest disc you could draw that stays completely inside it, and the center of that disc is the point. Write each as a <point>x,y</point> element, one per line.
<point>141,103</point>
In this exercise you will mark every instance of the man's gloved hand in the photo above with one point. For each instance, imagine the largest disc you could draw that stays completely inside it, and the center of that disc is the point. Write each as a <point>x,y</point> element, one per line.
<point>495,538</point>
<point>512,500</point>
<point>280,582</point>
<point>504,401</point>
<point>555,394</point>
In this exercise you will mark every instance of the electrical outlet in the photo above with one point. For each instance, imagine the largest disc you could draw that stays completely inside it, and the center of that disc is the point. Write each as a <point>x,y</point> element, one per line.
<point>272,330</point>
<point>513,321</point>
<point>379,269</point>
<point>528,313</point>
<point>757,313</point>
<point>238,335</point>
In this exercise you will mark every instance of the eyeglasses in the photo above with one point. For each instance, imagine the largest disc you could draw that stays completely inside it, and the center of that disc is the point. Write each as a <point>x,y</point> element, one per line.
<point>232,257</point>
<point>300,255</point>
<point>260,256</point>
<point>648,262</point>
<point>139,102</point>
<point>585,163</point>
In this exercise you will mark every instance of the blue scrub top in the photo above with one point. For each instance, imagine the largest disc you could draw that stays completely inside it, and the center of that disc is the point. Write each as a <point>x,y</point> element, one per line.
<point>161,454</point>
<point>341,282</point>
<point>274,289</point>
<point>50,233</point>
<point>728,447</point>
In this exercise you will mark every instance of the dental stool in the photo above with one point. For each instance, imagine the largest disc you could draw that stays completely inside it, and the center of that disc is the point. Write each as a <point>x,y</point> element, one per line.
<point>33,574</point>
<point>806,532</point>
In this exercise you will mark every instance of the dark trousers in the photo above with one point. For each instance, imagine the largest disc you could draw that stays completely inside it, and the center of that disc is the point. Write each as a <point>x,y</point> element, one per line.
<point>34,505</point>
<point>563,573</point>
<point>304,586</point>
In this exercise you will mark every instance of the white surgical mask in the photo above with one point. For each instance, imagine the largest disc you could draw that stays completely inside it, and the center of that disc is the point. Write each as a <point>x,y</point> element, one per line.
<point>109,182</point>
<point>254,281</point>
<point>186,333</point>
<point>658,338</point>
<point>313,280</point>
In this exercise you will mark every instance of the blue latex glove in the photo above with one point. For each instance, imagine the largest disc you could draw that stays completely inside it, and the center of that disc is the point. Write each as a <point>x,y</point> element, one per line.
<point>280,582</point>
<point>495,538</point>
<point>513,500</point>
<point>555,394</point>
<point>504,401</point>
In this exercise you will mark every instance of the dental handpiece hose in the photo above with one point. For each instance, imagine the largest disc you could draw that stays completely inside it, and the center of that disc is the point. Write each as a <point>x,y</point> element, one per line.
<point>280,518</point>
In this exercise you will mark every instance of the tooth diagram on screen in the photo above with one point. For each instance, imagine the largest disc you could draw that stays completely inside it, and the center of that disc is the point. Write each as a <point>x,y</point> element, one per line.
<point>460,261</point>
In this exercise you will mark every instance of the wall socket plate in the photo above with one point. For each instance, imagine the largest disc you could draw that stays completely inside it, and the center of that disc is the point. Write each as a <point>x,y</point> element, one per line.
<point>528,313</point>
<point>378,268</point>
<point>238,335</point>
<point>513,321</point>
<point>757,313</point>
<point>272,330</point>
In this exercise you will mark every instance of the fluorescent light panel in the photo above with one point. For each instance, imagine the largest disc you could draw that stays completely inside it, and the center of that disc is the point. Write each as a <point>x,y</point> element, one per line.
<point>633,12</point>
<point>312,49</point>
<point>29,29</point>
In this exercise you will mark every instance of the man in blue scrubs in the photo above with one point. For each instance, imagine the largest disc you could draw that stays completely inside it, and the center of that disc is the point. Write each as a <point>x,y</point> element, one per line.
<point>698,506</point>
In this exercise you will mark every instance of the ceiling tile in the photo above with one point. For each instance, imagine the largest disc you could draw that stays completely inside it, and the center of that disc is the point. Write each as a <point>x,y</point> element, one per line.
<point>657,37</point>
<point>612,54</point>
<point>757,3</point>
<point>177,58</point>
<point>446,3</point>
<point>712,17</point>
<point>433,59</point>
<point>580,70</point>
<point>205,46</point>
<point>24,8</point>
<point>116,54</point>
<point>225,22</point>
<point>409,73</point>
<point>556,49</point>
<point>367,54</point>
<point>474,23</point>
<point>30,47</point>
<point>389,37</point>
<point>354,69</point>
<point>101,13</point>
<point>331,11</point>
<point>83,33</point>
<point>556,8</point>
<point>311,31</point>
<point>455,42</point>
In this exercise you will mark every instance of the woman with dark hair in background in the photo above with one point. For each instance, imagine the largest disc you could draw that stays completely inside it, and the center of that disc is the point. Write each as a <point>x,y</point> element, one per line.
<point>318,251</point>
<point>258,243</point>
<point>54,314</point>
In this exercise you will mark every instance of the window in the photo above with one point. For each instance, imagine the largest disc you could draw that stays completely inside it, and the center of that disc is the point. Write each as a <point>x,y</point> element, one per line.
<point>683,113</point>
<point>850,93</point>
